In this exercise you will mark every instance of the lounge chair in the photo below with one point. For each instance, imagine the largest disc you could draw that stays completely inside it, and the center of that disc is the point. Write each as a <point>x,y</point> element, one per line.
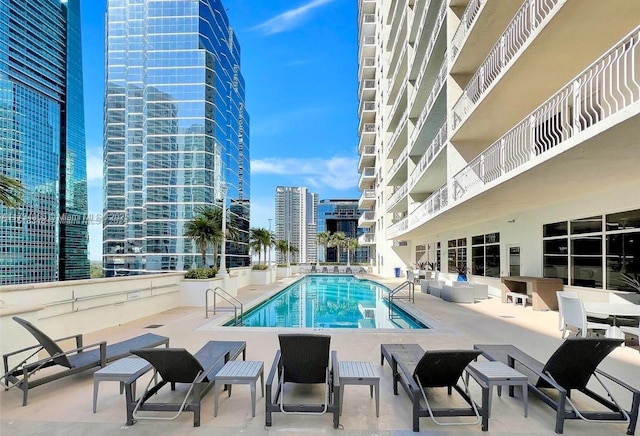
<point>336,270</point>
<point>177,365</point>
<point>434,369</point>
<point>304,359</point>
<point>569,369</point>
<point>348,270</point>
<point>78,359</point>
<point>314,269</point>
<point>324,269</point>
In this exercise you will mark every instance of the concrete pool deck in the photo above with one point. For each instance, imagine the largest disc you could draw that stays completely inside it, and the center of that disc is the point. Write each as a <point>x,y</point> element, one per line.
<point>64,407</point>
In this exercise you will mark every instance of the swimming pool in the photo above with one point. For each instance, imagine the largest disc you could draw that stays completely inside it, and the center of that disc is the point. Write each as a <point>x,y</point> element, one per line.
<point>321,301</point>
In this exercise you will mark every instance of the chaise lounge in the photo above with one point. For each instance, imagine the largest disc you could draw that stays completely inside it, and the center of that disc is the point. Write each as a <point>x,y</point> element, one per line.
<point>177,365</point>
<point>76,360</point>
<point>569,369</point>
<point>304,359</point>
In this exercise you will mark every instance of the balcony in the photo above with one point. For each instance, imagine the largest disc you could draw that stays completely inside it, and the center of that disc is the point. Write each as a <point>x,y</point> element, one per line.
<point>367,239</point>
<point>367,68</point>
<point>395,203</point>
<point>367,48</point>
<point>399,139</point>
<point>367,113</point>
<point>438,86</point>
<point>398,228</point>
<point>367,199</point>
<point>367,157</point>
<point>367,219</point>
<point>367,177</point>
<point>368,135</point>
<point>398,171</point>
<point>419,180</point>
<point>480,27</point>
<point>587,127</point>
<point>367,89</point>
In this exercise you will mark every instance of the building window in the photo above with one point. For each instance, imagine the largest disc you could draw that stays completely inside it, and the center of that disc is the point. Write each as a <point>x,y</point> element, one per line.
<point>485,255</point>
<point>456,254</point>
<point>433,255</point>
<point>421,250</point>
<point>594,252</point>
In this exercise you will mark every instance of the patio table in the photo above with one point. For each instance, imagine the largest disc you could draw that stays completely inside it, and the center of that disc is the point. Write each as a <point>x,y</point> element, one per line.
<point>614,310</point>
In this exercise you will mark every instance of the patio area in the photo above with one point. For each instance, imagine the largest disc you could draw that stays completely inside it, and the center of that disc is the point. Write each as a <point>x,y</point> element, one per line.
<point>65,406</point>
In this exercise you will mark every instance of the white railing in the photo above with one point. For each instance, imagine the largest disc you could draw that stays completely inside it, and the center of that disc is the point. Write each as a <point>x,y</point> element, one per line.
<point>437,201</point>
<point>397,195</point>
<point>605,88</point>
<point>435,90</point>
<point>398,163</point>
<point>423,22</point>
<point>399,95</point>
<point>368,215</point>
<point>368,194</point>
<point>396,135</point>
<point>429,155</point>
<point>442,13</point>
<point>369,150</point>
<point>369,172</point>
<point>525,22</point>
<point>367,238</point>
<point>398,228</point>
<point>369,128</point>
<point>369,18</point>
<point>468,18</point>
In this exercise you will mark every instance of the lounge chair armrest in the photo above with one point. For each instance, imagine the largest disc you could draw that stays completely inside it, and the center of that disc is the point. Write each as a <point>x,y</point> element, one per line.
<point>618,381</point>
<point>335,368</point>
<point>274,369</point>
<point>102,345</point>
<point>408,375</point>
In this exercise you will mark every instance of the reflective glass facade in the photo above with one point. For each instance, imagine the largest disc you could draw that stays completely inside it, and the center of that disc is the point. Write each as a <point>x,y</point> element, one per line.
<point>42,141</point>
<point>341,216</point>
<point>176,130</point>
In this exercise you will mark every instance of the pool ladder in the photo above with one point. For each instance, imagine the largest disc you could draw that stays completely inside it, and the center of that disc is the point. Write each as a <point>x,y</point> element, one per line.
<point>236,305</point>
<point>396,295</point>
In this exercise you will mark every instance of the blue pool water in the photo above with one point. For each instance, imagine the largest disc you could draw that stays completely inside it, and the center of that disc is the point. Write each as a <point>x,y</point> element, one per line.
<point>321,301</point>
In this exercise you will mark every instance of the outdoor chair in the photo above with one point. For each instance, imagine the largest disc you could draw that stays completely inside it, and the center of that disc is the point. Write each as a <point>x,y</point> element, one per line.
<point>76,360</point>
<point>314,269</point>
<point>324,269</point>
<point>572,314</point>
<point>435,369</point>
<point>336,270</point>
<point>570,368</point>
<point>177,365</point>
<point>348,270</point>
<point>304,359</point>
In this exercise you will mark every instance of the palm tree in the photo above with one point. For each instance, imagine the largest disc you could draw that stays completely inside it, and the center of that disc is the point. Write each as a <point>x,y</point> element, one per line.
<point>214,214</point>
<point>282,246</point>
<point>201,230</point>
<point>10,191</point>
<point>338,240</point>
<point>259,239</point>
<point>352,245</point>
<point>323,240</point>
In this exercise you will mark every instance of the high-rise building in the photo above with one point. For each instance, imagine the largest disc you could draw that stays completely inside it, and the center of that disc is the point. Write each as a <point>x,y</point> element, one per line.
<point>341,215</point>
<point>176,133</point>
<point>502,136</point>
<point>42,142</point>
<point>296,223</point>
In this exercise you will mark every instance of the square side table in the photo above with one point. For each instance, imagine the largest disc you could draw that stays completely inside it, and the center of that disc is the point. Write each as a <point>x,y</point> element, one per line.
<point>240,372</point>
<point>498,374</point>
<point>360,373</point>
<point>120,370</point>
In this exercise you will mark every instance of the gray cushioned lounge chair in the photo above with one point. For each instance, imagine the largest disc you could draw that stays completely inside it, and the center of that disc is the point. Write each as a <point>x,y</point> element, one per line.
<point>78,359</point>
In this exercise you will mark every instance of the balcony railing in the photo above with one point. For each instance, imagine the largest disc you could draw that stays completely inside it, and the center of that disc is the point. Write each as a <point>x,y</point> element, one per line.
<point>368,216</point>
<point>367,239</point>
<point>525,22</point>
<point>368,194</point>
<point>398,163</point>
<point>606,88</point>
<point>369,128</point>
<point>429,155</point>
<point>442,13</point>
<point>435,90</point>
<point>468,18</point>
<point>369,18</point>
<point>398,228</point>
<point>437,201</point>
<point>399,129</point>
<point>397,195</point>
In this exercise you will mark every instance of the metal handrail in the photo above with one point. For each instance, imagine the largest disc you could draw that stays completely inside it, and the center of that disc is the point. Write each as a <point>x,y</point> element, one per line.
<point>392,295</point>
<point>219,292</point>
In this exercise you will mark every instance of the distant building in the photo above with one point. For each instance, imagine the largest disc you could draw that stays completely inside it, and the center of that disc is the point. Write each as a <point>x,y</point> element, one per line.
<point>42,142</point>
<point>176,133</point>
<point>296,222</point>
<point>341,216</point>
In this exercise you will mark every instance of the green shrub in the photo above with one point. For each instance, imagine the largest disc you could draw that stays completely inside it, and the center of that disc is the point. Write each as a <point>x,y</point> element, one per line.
<point>201,273</point>
<point>259,267</point>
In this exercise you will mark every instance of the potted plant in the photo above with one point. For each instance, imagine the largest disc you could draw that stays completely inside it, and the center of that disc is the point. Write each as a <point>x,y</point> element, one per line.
<point>462,272</point>
<point>196,282</point>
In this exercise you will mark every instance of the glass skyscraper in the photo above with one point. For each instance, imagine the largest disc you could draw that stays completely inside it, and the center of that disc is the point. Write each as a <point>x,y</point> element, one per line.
<point>341,215</point>
<point>42,142</point>
<point>176,133</point>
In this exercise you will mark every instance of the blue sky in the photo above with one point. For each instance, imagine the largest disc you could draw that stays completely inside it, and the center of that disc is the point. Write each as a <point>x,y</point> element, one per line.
<point>299,61</point>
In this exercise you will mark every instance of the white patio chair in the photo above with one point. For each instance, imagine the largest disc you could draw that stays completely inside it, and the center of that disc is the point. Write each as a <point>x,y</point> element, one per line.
<point>573,314</point>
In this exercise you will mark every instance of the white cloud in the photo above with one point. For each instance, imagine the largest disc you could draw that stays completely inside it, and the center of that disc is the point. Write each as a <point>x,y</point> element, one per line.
<point>337,172</point>
<point>94,165</point>
<point>289,19</point>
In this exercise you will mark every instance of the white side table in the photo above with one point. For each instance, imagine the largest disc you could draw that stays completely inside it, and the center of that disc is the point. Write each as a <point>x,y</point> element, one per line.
<point>239,372</point>
<point>120,370</point>
<point>498,374</point>
<point>360,373</point>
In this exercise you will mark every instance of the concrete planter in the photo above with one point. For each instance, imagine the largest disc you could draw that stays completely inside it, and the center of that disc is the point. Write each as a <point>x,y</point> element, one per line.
<point>194,290</point>
<point>283,271</point>
<point>262,277</point>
